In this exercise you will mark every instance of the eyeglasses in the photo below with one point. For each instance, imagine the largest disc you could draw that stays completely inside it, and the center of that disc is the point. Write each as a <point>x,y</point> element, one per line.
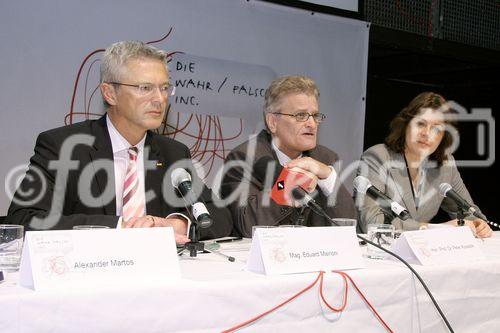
<point>145,89</point>
<point>304,116</point>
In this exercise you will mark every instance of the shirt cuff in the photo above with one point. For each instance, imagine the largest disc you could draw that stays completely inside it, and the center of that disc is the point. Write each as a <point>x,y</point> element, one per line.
<point>119,224</point>
<point>184,216</point>
<point>328,184</point>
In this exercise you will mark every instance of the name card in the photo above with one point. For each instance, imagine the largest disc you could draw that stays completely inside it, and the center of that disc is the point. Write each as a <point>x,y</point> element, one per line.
<point>104,257</point>
<point>438,246</point>
<point>297,250</point>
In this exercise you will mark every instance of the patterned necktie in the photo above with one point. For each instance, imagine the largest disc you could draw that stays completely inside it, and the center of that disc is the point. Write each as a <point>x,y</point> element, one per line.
<point>133,204</point>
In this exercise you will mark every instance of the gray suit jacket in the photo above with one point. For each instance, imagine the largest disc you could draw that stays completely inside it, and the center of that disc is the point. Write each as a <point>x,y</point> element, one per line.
<point>253,212</point>
<point>387,171</point>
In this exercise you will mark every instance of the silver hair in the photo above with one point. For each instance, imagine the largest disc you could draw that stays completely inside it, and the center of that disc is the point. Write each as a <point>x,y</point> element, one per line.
<point>116,56</point>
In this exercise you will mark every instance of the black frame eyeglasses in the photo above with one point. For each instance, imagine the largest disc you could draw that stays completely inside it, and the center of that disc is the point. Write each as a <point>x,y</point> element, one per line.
<point>304,116</point>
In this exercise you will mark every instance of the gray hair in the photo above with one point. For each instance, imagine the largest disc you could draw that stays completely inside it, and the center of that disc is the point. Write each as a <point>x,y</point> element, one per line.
<point>117,55</point>
<point>285,85</point>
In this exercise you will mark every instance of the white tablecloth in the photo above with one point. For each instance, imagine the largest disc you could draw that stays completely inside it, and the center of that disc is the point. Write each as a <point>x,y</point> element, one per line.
<point>216,294</point>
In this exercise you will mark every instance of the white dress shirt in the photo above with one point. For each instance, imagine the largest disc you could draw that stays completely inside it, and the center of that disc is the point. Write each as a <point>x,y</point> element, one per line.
<point>120,147</point>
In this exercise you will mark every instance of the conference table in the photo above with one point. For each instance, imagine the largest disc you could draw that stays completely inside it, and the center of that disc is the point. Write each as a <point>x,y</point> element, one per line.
<point>215,294</point>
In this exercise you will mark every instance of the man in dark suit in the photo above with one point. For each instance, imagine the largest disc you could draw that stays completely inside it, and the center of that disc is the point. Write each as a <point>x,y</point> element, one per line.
<point>114,171</point>
<point>291,113</point>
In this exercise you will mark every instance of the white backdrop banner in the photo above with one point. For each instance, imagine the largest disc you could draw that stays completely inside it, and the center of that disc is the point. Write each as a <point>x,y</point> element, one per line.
<point>225,53</point>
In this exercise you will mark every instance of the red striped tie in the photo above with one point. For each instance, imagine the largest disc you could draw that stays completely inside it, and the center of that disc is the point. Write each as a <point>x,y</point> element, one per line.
<point>133,203</point>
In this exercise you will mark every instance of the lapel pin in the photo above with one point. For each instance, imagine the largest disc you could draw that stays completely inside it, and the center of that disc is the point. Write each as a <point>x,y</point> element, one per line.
<point>159,164</point>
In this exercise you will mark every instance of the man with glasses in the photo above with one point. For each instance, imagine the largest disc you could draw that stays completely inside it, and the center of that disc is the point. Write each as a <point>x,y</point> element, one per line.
<point>292,117</point>
<point>115,171</point>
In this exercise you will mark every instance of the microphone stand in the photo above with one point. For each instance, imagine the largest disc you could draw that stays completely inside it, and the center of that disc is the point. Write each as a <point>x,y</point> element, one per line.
<point>460,216</point>
<point>388,216</point>
<point>301,218</point>
<point>194,245</point>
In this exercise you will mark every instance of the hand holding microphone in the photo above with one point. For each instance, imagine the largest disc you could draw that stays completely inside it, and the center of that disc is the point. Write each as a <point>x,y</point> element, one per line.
<point>284,180</point>
<point>287,181</point>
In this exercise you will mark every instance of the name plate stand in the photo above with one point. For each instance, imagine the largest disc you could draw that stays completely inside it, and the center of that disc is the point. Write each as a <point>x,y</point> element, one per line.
<point>438,246</point>
<point>104,257</point>
<point>277,251</point>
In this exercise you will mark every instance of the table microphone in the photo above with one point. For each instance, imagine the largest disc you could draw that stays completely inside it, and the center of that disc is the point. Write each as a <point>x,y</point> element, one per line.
<point>181,180</point>
<point>447,191</point>
<point>305,198</point>
<point>363,185</point>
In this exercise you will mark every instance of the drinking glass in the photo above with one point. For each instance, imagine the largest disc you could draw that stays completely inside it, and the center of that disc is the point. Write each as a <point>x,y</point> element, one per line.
<point>382,235</point>
<point>11,246</point>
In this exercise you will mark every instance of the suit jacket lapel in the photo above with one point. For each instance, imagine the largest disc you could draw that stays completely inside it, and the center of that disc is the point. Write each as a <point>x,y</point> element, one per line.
<point>399,173</point>
<point>103,150</point>
<point>430,197</point>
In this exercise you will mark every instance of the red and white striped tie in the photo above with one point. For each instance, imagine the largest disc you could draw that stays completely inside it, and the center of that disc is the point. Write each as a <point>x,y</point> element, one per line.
<point>133,203</point>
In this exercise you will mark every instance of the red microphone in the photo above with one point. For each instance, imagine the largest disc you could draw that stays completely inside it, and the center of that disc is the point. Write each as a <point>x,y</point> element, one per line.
<point>288,179</point>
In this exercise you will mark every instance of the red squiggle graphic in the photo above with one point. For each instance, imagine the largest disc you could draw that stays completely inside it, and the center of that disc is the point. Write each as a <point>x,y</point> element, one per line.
<point>204,133</point>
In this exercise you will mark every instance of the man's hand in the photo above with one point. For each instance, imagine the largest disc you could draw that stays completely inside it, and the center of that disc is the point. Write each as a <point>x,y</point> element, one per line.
<point>139,222</point>
<point>179,224</point>
<point>320,170</point>
<point>310,175</point>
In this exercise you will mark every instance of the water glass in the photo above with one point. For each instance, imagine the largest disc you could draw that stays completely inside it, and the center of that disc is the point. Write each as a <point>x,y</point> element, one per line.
<point>11,246</point>
<point>344,222</point>
<point>261,226</point>
<point>382,235</point>
<point>89,227</point>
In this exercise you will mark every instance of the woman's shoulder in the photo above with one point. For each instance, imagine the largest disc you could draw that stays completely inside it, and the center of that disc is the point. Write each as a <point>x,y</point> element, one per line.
<point>379,151</point>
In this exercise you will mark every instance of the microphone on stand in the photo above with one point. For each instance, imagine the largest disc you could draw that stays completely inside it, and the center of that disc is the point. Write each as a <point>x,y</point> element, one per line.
<point>305,198</point>
<point>447,191</point>
<point>181,180</point>
<point>363,185</point>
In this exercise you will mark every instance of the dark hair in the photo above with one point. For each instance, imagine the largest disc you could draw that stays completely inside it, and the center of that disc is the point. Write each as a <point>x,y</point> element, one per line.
<point>396,140</point>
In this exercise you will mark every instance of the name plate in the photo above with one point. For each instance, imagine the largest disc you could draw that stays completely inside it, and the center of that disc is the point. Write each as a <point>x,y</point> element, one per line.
<point>438,246</point>
<point>80,258</point>
<point>297,250</point>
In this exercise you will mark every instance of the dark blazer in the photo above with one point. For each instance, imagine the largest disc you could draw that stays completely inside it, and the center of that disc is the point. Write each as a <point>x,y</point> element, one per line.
<point>254,213</point>
<point>387,171</point>
<point>92,164</point>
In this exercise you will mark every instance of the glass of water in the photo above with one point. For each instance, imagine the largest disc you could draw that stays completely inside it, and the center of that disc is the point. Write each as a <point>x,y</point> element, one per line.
<point>89,227</point>
<point>343,222</point>
<point>382,235</point>
<point>11,246</point>
<point>255,227</point>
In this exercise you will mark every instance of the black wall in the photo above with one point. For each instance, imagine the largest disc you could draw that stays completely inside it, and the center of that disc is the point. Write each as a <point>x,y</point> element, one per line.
<point>402,65</point>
